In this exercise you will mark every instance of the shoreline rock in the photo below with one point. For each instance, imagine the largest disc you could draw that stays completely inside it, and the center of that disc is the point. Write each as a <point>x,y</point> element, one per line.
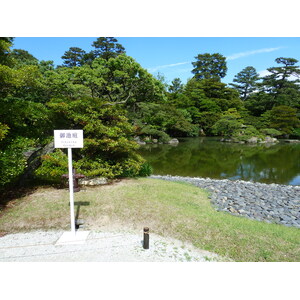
<point>172,141</point>
<point>272,203</point>
<point>252,140</point>
<point>292,141</point>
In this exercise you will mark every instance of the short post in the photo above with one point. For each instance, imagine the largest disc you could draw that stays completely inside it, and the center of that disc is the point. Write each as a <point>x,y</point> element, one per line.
<point>146,238</point>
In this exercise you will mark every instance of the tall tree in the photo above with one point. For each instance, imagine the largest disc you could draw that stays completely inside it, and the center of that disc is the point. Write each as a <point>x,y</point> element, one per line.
<point>284,119</point>
<point>22,57</point>
<point>246,82</point>
<point>73,57</point>
<point>282,77</point>
<point>281,83</point>
<point>210,66</point>
<point>176,86</point>
<point>46,65</point>
<point>107,47</point>
<point>5,45</point>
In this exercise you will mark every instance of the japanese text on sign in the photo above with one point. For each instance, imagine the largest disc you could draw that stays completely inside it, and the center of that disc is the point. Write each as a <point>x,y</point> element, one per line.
<point>68,138</point>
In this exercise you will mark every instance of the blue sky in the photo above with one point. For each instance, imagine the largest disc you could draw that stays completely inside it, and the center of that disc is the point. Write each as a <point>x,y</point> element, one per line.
<point>172,56</point>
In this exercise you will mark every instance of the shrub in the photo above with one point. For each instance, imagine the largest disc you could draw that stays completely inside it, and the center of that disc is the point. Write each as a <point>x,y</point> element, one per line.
<point>229,123</point>
<point>13,161</point>
<point>296,133</point>
<point>284,118</point>
<point>54,165</point>
<point>247,133</point>
<point>3,131</point>
<point>271,131</point>
<point>146,170</point>
<point>152,133</point>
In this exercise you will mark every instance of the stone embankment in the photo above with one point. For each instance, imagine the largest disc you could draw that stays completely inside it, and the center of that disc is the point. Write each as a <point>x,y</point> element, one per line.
<point>272,203</point>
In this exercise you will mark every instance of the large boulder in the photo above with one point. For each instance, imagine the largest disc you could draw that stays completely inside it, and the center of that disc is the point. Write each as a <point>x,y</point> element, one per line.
<point>34,161</point>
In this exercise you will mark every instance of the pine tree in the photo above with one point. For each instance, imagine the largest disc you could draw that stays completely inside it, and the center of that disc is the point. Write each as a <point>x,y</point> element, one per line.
<point>73,57</point>
<point>209,66</point>
<point>107,47</point>
<point>246,82</point>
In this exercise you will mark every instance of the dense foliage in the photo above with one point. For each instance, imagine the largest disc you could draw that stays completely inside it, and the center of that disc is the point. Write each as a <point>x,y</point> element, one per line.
<point>116,101</point>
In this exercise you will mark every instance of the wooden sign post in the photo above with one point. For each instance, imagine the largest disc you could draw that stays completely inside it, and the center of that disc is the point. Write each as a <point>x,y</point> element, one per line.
<point>69,139</point>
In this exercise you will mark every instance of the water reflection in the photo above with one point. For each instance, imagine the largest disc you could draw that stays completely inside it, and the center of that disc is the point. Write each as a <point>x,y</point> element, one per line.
<point>207,157</point>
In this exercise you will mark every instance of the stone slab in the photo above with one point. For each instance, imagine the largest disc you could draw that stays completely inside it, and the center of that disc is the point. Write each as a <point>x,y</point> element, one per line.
<point>68,238</point>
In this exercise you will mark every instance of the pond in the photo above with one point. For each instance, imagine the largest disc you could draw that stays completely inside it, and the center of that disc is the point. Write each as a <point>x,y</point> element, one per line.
<point>208,157</point>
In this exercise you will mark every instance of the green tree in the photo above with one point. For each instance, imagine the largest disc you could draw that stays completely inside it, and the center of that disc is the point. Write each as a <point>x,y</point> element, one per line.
<point>161,77</point>
<point>210,66</point>
<point>220,94</point>
<point>24,82</point>
<point>280,83</point>
<point>22,57</point>
<point>280,75</point>
<point>107,47</point>
<point>46,65</point>
<point>120,79</point>
<point>73,57</point>
<point>246,82</point>
<point>284,119</point>
<point>25,122</point>
<point>206,120</point>
<point>229,123</point>
<point>211,95</point>
<point>163,118</point>
<point>258,103</point>
<point>5,45</point>
<point>176,86</point>
<point>109,149</point>
<point>3,131</point>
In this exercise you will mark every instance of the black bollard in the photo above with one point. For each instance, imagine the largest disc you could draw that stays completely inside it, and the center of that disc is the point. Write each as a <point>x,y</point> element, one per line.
<point>146,238</point>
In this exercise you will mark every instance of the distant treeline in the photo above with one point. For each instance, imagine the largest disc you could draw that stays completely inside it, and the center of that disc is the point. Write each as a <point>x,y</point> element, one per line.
<point>114,100</point>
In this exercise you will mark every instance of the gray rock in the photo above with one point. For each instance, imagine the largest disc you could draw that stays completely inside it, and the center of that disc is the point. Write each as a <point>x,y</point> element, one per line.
<point>139,141</point>
<point>292,141</point>
<point>93,181</point>
<point>34,161</point>
<point>252,140</point>
<point>173,141</point>
<point>269,139</point>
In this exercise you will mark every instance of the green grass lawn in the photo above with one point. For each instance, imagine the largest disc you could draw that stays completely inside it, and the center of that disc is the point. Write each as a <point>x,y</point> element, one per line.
<point>177,210</point>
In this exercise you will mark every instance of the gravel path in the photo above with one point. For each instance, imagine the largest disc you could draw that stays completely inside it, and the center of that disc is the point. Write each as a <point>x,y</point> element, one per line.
<point>100,247</point>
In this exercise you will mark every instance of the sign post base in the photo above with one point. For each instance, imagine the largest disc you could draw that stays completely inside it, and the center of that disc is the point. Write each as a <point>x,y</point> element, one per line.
<point>69,238</point>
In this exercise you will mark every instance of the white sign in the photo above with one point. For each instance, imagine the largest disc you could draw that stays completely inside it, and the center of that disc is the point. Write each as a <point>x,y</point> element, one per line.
<point>68,138</point>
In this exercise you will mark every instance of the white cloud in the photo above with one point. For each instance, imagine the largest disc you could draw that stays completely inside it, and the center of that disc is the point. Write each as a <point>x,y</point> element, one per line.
<point>154,69</point>
<point>264,73</point>
<point>247,53</point>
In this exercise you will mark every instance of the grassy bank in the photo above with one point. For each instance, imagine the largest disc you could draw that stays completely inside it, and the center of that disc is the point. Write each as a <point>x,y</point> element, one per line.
<point>178,210</point>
